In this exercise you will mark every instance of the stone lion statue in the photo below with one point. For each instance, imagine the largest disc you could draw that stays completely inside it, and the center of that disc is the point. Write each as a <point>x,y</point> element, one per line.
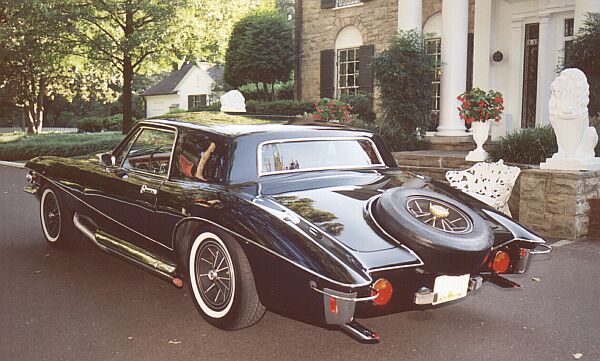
<point>569,116</point>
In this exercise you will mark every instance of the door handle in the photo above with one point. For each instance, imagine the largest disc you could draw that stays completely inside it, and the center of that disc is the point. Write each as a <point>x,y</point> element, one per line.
<point>146,189</point>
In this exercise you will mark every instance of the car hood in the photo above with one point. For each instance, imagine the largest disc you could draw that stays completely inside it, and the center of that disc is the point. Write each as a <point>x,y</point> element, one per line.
<point>336,202</point>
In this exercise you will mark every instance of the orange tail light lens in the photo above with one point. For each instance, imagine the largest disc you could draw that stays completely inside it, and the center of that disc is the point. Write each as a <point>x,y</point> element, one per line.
<point>383,289</point>
<point>501,262</point>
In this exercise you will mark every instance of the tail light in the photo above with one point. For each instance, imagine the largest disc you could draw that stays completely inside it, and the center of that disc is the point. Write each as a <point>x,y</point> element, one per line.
<point>383,289</point>
<point>501,262</point>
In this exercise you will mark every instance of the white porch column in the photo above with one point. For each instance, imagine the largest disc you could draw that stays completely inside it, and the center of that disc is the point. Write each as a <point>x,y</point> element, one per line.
<point>482,41</point>
<point>410,14</point>
<point>582,7</point>
<point>545,70</point>
<point>454,66</point>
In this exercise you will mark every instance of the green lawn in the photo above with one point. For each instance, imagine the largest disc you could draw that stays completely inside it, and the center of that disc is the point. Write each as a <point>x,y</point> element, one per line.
<point>19,146</point>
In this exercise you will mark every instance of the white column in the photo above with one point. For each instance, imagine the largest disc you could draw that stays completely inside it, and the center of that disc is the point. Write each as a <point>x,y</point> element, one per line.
<point>482,44</point>
<point>454,65</point>
<point>545,70</point>
<point>513,97</point>
<point>582,7</point>
<point>410,14</point>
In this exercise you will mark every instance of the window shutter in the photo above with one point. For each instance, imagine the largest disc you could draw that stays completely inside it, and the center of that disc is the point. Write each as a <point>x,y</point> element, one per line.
<point>190,102</point>
<point>365,76</point>
<point>327,4</point>
<point>327,73</point>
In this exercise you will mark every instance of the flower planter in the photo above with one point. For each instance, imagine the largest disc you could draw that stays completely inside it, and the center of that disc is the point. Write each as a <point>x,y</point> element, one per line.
<point>481,130</point>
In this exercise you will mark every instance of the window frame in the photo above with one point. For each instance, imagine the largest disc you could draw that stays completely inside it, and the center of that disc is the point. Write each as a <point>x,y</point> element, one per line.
<point>196,100</point>
<point>437,83</point>
<point>210,137</point>
<point>356,87</point>
<point>294,140</point>
<point>136,135</point>
<point>349,3</point>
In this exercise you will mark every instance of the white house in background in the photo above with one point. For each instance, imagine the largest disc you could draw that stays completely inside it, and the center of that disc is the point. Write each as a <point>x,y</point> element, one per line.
<point>512,46</point>
<point>189,88</point>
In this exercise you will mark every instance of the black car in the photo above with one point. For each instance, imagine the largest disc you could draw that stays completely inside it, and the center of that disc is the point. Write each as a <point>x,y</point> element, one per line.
<point>314,221</point>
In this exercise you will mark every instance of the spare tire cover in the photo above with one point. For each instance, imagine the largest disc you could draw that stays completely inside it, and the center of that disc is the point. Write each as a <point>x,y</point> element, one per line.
<point>447,235</point>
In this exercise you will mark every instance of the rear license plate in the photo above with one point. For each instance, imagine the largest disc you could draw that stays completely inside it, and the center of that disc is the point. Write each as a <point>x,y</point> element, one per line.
<point>448,288</point>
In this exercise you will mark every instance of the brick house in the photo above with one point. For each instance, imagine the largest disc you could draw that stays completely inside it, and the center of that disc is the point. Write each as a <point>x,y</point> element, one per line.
<point>513,46</point>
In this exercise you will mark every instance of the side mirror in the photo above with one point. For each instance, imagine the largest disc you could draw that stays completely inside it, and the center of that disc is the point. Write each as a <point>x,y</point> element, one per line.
<point>107,159</point>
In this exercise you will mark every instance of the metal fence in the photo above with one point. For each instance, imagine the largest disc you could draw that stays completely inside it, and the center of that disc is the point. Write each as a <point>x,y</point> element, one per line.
<point>44,130</point>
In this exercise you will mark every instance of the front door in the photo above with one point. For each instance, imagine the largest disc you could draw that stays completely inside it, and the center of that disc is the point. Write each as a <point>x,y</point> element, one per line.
<point>530,68</point>
<point>127,194</point>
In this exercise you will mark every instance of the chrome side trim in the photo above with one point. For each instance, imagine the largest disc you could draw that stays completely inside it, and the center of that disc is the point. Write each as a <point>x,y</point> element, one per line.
<point>274,253</point>
<point>369,211</point>
<point>104,215</point>
<point>381,163</point>
<point>313,286</point>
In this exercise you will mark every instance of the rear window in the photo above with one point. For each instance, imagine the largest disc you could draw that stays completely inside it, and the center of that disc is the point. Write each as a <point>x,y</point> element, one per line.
<point>314,154</point>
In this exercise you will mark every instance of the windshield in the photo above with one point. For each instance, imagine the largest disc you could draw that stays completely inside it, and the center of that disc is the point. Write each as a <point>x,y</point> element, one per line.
<point>313,154</point>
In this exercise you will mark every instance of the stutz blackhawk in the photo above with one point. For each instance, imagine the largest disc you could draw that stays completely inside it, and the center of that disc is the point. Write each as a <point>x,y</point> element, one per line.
<point>313,221</point>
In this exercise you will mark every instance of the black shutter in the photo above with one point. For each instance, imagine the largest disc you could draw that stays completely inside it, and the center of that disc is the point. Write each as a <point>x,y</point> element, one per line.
<point>190,102</point>
<point>327,4</point>
<point>365,73</point>
<point>327,73</point>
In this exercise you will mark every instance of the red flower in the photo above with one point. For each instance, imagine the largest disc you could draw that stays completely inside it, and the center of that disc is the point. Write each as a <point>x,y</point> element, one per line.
<point>482,103</point>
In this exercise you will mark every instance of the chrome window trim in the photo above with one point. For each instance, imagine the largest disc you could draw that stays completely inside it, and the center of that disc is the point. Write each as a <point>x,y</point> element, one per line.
<point>309,139</point>
<point>172,129</point>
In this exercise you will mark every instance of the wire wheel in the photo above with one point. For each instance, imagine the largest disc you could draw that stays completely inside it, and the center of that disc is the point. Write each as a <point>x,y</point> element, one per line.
<point>50,212</point>
<point>213,275</point>
<point>439,215</point>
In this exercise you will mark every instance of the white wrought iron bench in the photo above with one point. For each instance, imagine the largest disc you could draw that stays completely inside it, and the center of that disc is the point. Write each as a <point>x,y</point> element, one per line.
<point>491,183</point>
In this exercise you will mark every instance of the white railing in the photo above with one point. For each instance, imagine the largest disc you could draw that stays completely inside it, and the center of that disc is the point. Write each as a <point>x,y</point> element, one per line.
<point>342,3</point>
<point>44,130</point>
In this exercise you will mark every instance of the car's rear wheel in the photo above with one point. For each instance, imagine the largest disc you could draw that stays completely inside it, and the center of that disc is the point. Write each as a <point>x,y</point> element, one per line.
<point>221,281</point>
<point>56,218</point>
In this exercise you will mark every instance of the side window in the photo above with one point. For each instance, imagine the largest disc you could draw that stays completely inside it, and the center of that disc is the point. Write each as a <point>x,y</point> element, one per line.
<point>151,151</point>
<point>199,158</point>
<point>122,151</point>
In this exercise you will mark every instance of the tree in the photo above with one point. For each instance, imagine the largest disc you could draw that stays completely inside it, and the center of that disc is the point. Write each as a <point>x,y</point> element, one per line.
<point>33,60</point>
<point>584,53</point>
<point>123,34</point>
<point>260,50</point>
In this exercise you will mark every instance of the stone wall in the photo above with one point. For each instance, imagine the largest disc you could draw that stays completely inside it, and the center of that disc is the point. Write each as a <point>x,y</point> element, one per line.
<point>377,21</point>
<point>557,203</point>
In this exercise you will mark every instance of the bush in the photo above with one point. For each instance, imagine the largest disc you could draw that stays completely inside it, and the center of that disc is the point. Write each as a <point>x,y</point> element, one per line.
<point>283,91</point>
<point>327,110</point>
<point>362,106</point>
<point>595,122</point>
<point>526,146</point>
<point>63,145</point>
<point>397,138</point>
<point>404,74</point>
<point>584,53</point>
<point>99,124</point>
<point>280,107</point>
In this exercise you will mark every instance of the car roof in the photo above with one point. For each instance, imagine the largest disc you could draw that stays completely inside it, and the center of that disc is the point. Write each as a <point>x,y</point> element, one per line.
<point>242,125</point>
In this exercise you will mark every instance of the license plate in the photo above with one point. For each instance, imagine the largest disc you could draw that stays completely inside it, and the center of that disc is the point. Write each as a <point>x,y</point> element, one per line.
<point>448,288</point>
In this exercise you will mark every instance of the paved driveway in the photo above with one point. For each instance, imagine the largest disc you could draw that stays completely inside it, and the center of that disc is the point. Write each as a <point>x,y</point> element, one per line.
<point>81,304</point>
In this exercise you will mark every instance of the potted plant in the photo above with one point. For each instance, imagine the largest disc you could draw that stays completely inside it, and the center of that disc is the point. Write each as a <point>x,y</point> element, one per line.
<point>479,108</point>
<point>331,110</point>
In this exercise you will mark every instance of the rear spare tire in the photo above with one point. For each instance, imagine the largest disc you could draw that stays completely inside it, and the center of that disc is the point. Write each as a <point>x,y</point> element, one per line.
<point>447,235</point>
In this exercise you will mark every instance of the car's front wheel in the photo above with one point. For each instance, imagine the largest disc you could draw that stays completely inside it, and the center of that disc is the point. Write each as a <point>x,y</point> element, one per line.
<point>221,281</point>
<point>56,218</point>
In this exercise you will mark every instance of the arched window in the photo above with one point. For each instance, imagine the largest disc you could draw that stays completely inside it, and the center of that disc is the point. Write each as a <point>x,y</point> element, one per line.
<point>347,45</point>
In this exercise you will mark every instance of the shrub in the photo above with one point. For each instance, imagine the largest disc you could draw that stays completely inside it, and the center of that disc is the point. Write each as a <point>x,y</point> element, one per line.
<point>527,146</point>
<point>595,122</point>
<point>397,138</point>
<point>584,53</point>
<point>98,124</point>
<point>404,74</point>
<point>280,107</point>
<point>362,106</point>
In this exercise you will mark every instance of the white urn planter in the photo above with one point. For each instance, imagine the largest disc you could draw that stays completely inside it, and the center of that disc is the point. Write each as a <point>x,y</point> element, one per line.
<point>480,131</point>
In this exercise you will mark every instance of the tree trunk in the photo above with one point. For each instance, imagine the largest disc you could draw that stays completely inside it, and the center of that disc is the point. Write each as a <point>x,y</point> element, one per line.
<point>39,111</point>
<point>273,91</point>
<point>127,75</point>
<point>266,90</point>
